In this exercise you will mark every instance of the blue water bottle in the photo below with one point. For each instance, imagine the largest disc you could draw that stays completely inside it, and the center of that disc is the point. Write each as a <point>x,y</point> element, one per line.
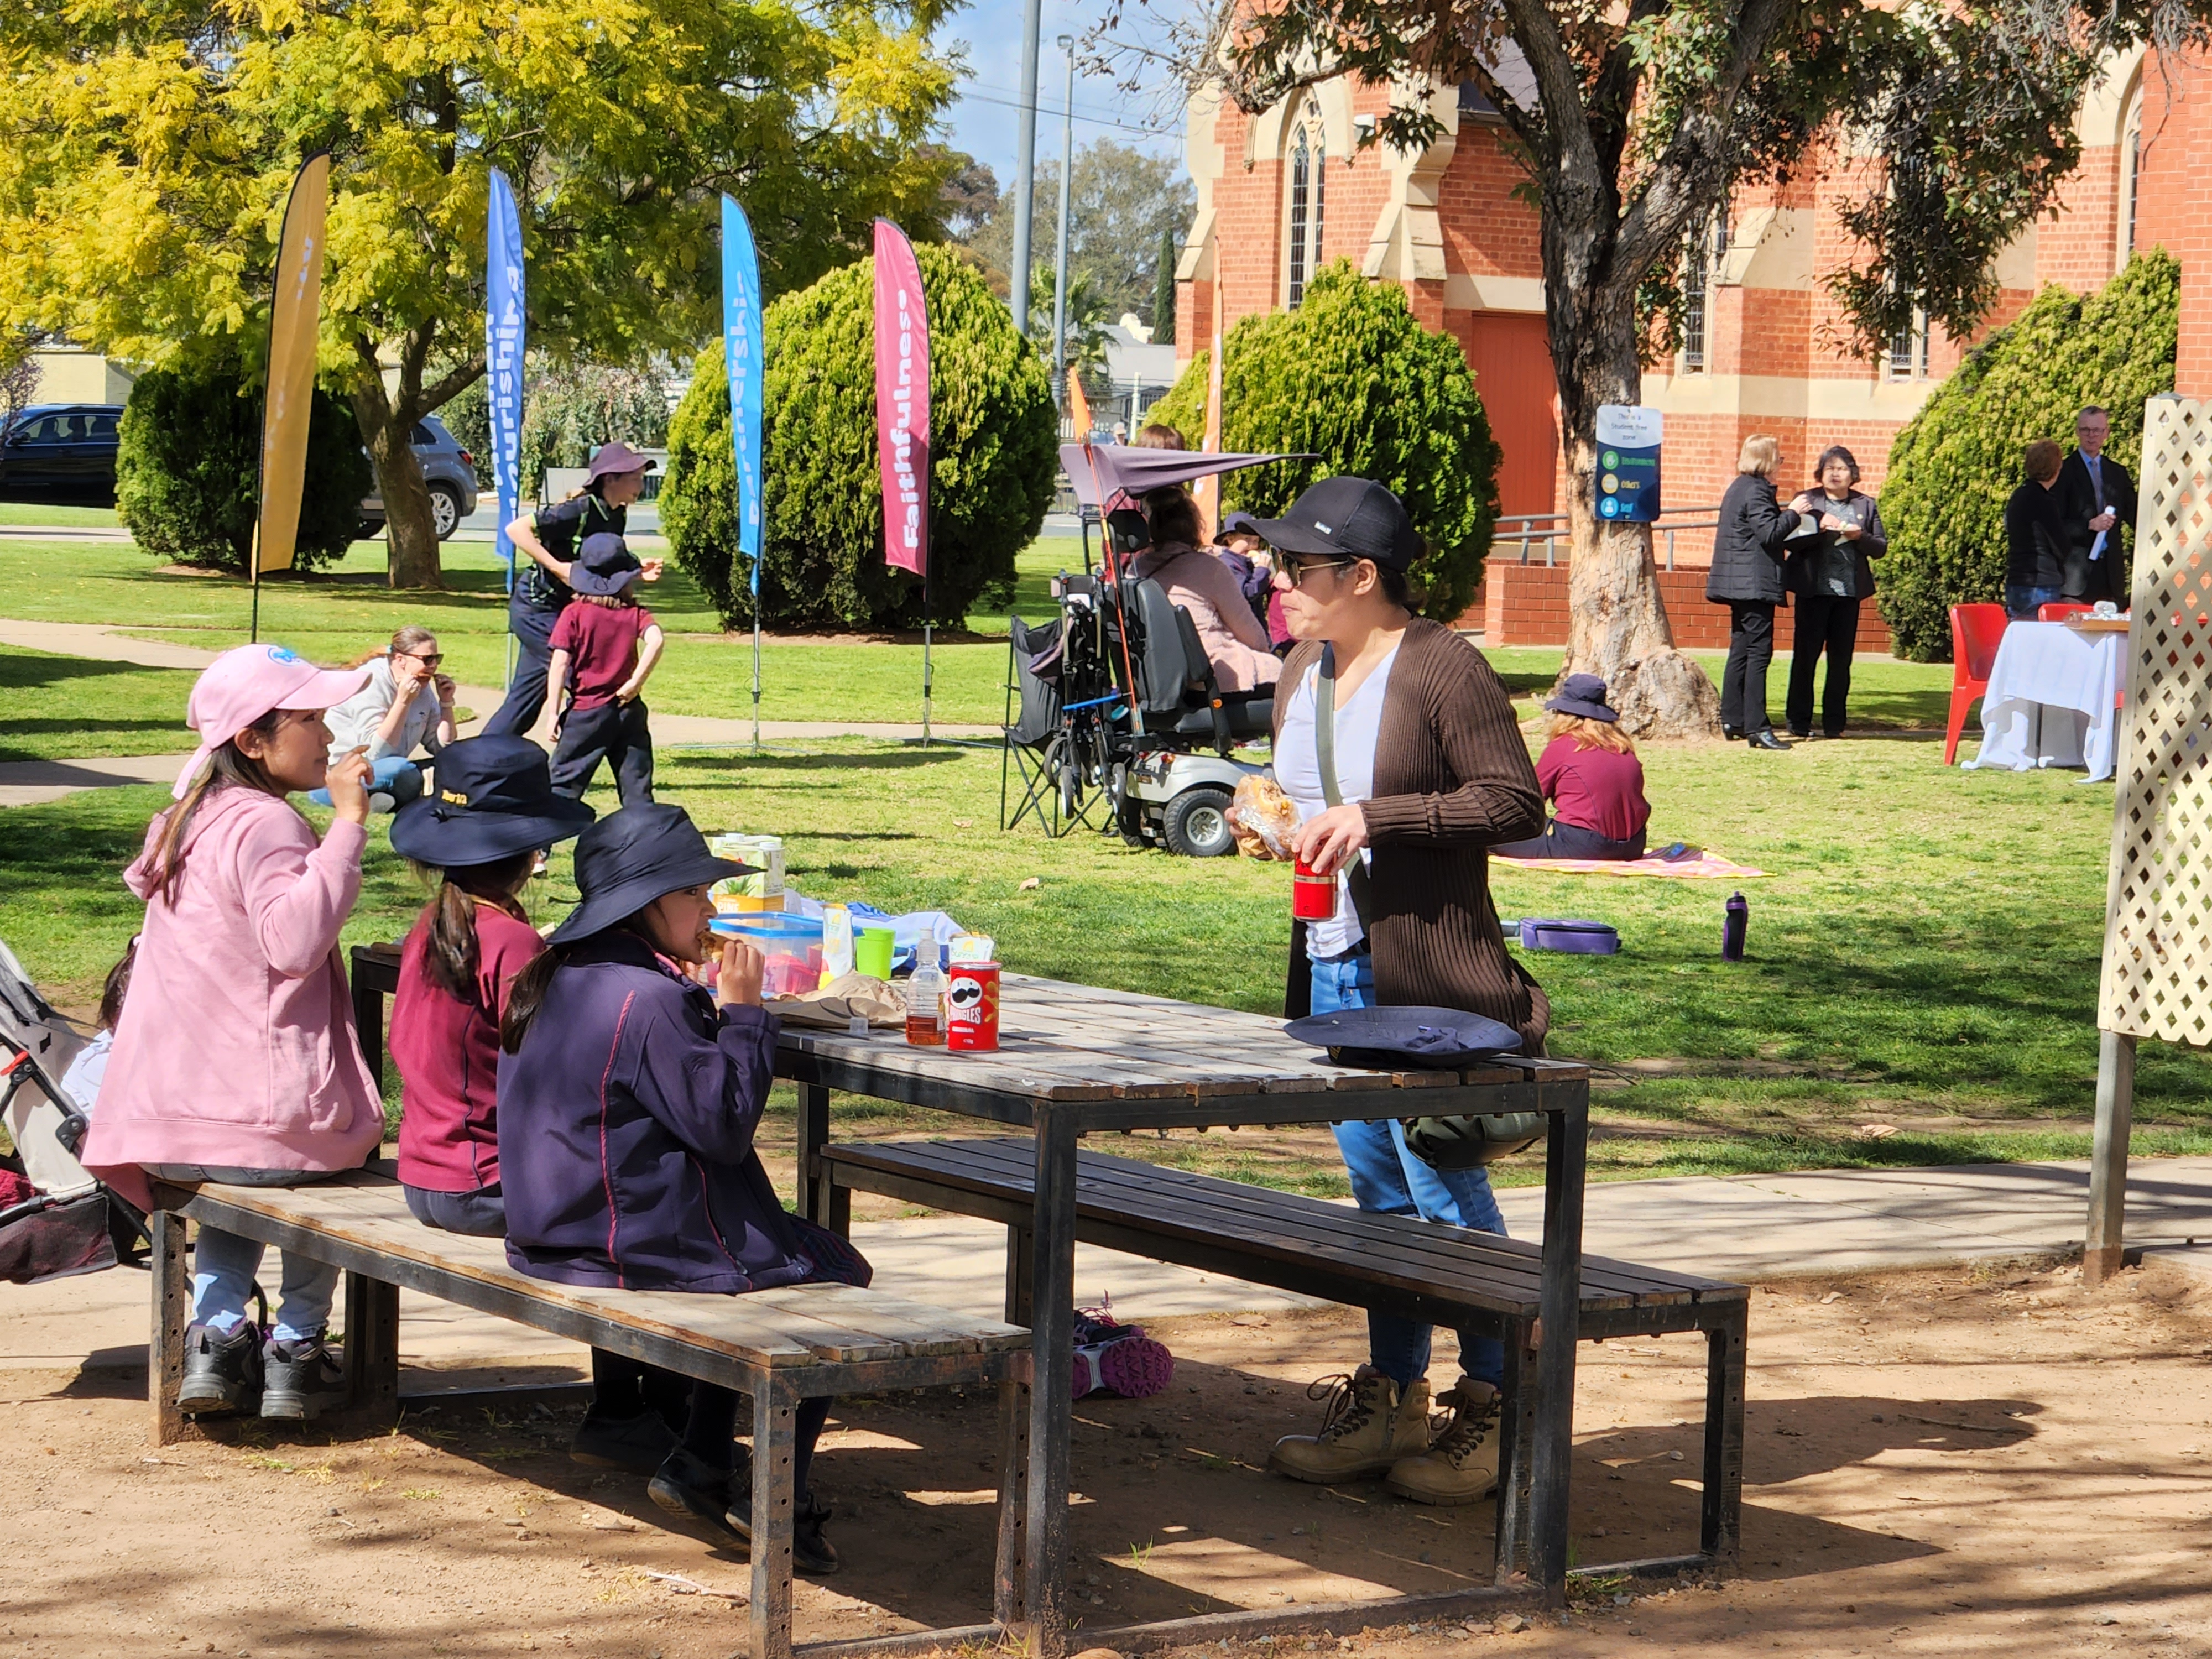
<point>1733,930</point>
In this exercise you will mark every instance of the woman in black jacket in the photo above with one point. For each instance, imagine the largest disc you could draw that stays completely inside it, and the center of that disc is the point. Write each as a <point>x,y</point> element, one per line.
<point>1839,531</point>
<point>1746,577</point>
<point>2035,536</point>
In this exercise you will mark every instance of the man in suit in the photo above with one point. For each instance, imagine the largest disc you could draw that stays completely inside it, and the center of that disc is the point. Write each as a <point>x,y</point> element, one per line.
<point>2095,497</point>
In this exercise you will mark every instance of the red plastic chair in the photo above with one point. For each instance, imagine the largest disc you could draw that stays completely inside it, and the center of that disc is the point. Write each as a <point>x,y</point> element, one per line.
<point>2060,610</point>
<point>1975,631</point>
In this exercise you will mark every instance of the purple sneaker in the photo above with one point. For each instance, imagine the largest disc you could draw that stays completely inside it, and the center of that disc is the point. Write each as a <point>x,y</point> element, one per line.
<point>1112,1358</point>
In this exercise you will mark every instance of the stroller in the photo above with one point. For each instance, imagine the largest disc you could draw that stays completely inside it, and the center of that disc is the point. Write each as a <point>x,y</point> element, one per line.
<point>56,1220</point>
<point>1119,704</point>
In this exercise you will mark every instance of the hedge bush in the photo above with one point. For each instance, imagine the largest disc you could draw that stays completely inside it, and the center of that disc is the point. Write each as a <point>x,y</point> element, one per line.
<point>1955,464</point>
<point>187,466</point>
<point>993,433</point>
<point>1352,376</point>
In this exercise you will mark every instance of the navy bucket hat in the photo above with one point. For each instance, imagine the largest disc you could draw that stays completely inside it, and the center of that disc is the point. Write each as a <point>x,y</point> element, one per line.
<point>490,798</point>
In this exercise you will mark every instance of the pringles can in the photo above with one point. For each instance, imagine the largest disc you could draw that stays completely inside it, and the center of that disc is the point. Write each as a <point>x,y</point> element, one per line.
<point>971,1000</point>
<point>1313,896</point>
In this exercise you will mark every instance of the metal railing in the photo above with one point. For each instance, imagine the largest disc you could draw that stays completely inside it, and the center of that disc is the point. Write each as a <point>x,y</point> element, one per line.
<point>1527,529</point>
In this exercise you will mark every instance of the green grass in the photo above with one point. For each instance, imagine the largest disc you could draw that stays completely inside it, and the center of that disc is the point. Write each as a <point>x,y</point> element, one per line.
<point>336,615</point>
<point>54,706</point>
<point>1924,956</point>
<point>29,513</point>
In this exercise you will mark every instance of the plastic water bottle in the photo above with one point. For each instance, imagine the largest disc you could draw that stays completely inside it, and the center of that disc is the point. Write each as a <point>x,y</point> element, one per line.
<point>925,999</point>
<point>1734,928</point>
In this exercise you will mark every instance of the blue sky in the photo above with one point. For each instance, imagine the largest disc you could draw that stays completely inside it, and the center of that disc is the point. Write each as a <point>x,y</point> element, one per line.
<point>984,119</point>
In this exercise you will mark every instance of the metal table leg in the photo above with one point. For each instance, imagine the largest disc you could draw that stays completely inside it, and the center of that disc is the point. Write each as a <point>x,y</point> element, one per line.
<point>1565,1148</point>
<point>815,1203</point>
<point>1053,1343</point>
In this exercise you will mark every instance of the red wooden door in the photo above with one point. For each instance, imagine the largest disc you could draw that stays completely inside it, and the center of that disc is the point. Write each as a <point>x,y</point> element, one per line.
<point>1512,365</point>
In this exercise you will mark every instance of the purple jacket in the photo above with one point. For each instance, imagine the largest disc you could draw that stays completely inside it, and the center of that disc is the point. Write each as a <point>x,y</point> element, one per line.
<point>626,1133</point>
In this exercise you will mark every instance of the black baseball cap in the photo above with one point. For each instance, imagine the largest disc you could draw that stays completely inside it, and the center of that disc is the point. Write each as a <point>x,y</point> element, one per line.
<point>1349,518</point>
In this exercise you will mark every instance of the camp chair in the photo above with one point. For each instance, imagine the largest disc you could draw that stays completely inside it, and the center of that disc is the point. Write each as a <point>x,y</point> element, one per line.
<point>1034,746</point>
<point>1975,631</point>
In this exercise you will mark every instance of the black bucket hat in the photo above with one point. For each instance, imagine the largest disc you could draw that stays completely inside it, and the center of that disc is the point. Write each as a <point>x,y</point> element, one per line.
<point>1392,1037</point>
<point>1583,695</point>
<point>1346,518</point>
<point>632,857</point>
<point>1239,523</point>
<point>604,564</point>
<point>491,799</point>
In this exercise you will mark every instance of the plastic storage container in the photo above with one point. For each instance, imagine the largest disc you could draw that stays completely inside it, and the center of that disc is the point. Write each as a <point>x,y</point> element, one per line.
<point>792,946</point>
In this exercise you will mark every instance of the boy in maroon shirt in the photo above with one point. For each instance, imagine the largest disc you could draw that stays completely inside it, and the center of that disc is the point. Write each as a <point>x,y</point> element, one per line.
<point>607,644</point>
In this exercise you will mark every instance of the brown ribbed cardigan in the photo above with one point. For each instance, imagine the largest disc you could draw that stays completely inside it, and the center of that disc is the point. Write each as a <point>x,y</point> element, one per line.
<point>1452,779</point>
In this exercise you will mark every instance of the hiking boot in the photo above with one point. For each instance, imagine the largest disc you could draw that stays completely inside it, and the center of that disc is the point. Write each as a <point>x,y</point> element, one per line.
<point>1366,1427</point>
<point>305,1379</point>
<point>688,1488</point>
<point>637,1445</point>
<point>812,1553</point>
<point>1462,1466</point>
<point>222,1373</point>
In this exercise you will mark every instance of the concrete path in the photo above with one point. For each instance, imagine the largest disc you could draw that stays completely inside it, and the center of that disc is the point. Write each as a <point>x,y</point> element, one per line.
<point>1750,1228</point>
<point>30,783</point>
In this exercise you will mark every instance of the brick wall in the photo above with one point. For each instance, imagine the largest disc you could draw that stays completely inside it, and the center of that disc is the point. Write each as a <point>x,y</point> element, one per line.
<point>1527,605</point>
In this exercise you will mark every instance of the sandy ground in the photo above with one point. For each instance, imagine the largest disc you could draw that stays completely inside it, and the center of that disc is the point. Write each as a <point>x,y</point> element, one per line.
<point>1997,1463</point>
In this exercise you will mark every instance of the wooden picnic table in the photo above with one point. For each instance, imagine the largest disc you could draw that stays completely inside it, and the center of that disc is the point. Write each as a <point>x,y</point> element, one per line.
<point>1076,1060</point>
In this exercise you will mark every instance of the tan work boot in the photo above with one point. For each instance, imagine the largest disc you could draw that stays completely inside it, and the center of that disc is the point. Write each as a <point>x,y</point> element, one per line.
<point>1365,1428</point>
<point>1462,1466</point>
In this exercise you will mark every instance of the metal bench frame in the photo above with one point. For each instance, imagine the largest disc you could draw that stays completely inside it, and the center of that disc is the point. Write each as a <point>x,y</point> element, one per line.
<point>922,1173</point>
<point>371,1356</point>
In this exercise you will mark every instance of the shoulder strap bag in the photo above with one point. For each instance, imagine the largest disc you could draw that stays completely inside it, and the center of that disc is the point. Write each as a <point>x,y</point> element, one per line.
<point>1463,1140</point>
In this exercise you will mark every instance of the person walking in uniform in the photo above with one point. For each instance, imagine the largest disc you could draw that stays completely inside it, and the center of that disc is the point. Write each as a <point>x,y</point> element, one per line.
<point>550,538</point>
<point>608,644</point>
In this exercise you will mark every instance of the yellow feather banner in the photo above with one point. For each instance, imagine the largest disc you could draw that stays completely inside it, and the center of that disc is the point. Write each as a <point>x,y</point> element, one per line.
<point>292,327</point>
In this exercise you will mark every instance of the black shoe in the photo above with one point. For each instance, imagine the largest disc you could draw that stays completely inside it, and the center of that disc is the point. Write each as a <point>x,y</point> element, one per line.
<point>688,1489</point>
<point>305,1380</point>
<point>638,1445</point>
<point>1733,733</point>
<point>1833,737</point>
<point>812,1553</point>
<point>1765,740</point>
<point>222,1373</point>
<point>1800,737</point>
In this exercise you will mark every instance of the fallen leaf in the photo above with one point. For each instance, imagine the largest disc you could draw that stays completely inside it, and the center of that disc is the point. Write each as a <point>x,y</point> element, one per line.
<point>1030,886</point>
<point>963,823</point>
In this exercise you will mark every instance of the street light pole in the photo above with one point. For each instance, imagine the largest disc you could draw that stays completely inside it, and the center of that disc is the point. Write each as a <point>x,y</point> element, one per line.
<point>1025,164</point>
<point>1059,261</point>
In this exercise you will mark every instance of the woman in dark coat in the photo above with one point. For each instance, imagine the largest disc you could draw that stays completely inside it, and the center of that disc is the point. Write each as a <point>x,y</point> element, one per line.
<point>636,1075</point>
<point>1746,577</point>
<point>2035,536</point>
<point>1827,573</point>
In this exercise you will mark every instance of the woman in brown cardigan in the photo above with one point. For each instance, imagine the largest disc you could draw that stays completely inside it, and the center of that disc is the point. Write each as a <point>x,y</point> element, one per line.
<point>1431,771</point>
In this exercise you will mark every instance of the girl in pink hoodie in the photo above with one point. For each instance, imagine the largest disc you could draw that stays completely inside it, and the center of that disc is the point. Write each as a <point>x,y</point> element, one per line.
<point>235,1058</point>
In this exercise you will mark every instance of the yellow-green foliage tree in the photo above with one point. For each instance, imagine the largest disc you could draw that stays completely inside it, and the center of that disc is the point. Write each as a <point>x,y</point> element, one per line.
<point>146,147</point>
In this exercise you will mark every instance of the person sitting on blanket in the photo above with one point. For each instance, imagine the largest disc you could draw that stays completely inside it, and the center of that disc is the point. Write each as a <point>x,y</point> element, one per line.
<point>1590,774</point>
<point>636,1074</point>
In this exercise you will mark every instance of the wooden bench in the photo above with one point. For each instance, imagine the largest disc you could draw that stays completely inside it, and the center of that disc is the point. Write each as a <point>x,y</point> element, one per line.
<point>1421,1270</point>
<point>778,1347</point>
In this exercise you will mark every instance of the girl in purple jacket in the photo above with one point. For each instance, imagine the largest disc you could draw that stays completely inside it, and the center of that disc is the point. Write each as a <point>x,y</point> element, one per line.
<point>628,1105</point>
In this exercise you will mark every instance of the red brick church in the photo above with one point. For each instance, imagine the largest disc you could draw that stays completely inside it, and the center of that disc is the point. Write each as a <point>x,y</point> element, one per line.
<point>1281,193</point>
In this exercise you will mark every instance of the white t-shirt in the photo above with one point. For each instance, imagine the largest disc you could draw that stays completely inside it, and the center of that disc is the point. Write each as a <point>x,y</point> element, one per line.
<point>1297,769</point>
<point>353,722</point>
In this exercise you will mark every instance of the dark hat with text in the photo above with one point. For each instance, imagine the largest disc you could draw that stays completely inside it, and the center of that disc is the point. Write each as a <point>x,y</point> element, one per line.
<point>1348,519</point>
<point>490,798</point>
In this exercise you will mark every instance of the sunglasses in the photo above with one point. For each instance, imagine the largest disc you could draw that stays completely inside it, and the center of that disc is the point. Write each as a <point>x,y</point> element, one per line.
<point>1294,571</point>
<point>427,658</point>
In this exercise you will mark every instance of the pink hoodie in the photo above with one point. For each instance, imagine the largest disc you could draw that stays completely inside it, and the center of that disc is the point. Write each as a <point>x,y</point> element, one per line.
<point>236,1045</point>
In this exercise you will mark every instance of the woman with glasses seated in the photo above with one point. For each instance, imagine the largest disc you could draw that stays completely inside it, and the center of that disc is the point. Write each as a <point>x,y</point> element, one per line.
<point>407,705</point>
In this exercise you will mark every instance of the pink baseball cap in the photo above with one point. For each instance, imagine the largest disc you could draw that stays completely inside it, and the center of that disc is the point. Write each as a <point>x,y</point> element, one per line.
<point>246,681</point>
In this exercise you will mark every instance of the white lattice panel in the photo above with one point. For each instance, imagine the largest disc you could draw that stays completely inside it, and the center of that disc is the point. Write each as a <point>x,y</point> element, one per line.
<point>2157,979</point>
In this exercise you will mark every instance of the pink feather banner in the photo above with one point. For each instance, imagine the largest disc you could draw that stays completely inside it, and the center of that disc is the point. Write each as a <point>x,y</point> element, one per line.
<point>903,399</point>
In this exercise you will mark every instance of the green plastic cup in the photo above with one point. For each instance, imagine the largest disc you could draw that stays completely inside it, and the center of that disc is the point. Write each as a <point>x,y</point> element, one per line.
<point>871,951</point>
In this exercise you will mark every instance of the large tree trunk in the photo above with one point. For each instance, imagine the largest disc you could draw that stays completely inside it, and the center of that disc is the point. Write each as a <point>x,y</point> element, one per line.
<point>410,528</point>
<point>1618,628</point>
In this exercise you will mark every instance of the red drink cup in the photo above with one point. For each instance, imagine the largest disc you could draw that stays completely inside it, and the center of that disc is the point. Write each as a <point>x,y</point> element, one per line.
<point>1313,896</point>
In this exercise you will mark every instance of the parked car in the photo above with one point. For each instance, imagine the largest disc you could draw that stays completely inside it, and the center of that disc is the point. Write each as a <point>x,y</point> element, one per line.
<point>448,469</point>
<point>61,453</point>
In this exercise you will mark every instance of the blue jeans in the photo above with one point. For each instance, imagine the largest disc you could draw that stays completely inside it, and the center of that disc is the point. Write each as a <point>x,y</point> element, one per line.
<point>2021,600</point>
<point>1388,1179</point>
<point>224,1264</point>
<point>400,778</point>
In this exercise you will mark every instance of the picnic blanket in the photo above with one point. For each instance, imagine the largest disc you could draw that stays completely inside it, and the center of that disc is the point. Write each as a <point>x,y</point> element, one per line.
<point>1709,864</point>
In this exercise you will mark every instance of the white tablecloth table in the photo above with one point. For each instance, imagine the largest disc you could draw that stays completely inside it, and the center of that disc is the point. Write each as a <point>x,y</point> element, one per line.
<point>2051,700</point>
